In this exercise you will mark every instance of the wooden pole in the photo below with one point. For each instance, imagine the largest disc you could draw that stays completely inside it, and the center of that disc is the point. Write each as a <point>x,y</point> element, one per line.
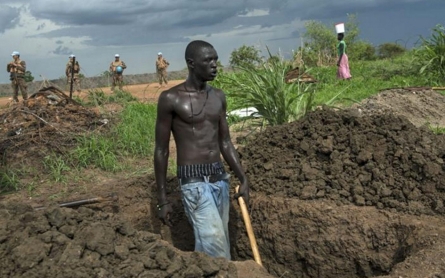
<point>253,244</point>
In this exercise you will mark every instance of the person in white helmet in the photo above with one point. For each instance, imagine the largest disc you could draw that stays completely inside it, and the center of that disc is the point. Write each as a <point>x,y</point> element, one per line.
<point>117,69</point>
<point>17,69</point>
<point>73,71</point>
<point>161,69</point>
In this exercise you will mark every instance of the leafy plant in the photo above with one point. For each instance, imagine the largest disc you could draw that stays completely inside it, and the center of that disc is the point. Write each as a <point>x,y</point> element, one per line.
<point>265,89</point>
<point>431,55</point>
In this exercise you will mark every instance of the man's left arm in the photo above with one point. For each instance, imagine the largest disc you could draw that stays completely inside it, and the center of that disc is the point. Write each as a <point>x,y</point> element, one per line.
<point>124,66</point>
<point>229,153</point>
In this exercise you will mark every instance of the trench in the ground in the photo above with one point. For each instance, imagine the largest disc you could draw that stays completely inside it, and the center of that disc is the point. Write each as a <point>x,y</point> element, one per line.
<point>303,238</point>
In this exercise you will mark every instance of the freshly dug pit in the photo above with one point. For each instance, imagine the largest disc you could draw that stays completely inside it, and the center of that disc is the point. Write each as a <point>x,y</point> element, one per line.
<point>62,242</point>
<point>336,193</point>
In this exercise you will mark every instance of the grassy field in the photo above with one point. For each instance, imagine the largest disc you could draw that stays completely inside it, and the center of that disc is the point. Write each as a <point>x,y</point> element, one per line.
<point>132,139</point>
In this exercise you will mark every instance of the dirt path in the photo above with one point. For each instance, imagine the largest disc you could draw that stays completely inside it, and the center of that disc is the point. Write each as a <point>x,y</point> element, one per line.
<point>145,92</point>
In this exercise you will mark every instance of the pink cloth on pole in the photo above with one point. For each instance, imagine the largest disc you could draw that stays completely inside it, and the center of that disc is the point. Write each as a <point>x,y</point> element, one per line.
<point>343,70</point>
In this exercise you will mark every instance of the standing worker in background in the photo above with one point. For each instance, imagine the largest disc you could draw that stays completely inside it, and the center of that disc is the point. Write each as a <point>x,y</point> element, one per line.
<point>72,73</point>
<point>117,69</point>
<point>17,69</point>
<point>161,69</point>
<point>343,61</point>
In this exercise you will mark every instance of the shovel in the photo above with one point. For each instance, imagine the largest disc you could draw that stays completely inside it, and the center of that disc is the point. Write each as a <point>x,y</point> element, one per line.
<point>250,234</point>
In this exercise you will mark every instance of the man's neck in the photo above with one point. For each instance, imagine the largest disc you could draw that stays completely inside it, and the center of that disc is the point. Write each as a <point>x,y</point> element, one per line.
<point>194,84</point>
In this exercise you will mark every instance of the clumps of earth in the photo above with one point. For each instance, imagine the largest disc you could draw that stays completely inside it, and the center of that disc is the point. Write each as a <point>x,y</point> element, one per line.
<point>380,160</point>
<point>62,242</point>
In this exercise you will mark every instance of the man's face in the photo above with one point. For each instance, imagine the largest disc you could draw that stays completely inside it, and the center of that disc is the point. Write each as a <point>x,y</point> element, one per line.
<point>159,57</point>
<point>15,57</point>
<point>205,67</point>
<point>116,59</point>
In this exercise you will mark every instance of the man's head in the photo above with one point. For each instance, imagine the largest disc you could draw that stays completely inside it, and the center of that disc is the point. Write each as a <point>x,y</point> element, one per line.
<point>15,54</point>
<point>116,57</point>
<point>201,59</point>
<point>159,55</point>
<point>72,56</point>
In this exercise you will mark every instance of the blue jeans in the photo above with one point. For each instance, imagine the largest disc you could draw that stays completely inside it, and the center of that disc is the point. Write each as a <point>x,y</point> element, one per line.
<point>207,208</point>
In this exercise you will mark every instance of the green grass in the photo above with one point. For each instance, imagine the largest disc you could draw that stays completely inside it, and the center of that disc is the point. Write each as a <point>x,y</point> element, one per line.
<point>9,180</point>
<point>56,166</point>
<point>368,78</point>
<point>132,136</point>
<point>437,129</point>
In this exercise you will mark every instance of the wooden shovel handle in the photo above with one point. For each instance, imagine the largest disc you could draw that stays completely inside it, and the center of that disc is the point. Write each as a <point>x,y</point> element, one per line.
<point>251,235</point>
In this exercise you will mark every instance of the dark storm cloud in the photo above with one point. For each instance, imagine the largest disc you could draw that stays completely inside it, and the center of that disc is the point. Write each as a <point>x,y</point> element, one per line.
<point>131,22</point>
<point>62,50</point>
<point>9,17</point>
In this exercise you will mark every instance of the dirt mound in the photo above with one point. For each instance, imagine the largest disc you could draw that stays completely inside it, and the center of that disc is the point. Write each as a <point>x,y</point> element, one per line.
<point>47,122</point>
<point>419,105</point>
<point>379,160</point>
<point>62,242</point>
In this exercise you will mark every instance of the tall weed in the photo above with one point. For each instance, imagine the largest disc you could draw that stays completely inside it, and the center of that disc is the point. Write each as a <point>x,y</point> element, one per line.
<point>265,89</point>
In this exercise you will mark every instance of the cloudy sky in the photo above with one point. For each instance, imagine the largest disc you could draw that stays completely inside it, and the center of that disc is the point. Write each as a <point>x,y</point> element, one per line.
<point>45,32</point>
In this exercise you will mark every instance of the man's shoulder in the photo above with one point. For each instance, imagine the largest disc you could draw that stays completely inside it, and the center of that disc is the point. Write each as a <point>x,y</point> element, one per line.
<point>175,89</point>
<point>217,91</point>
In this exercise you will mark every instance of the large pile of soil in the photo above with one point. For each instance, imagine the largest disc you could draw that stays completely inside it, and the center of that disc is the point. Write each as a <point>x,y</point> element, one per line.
<point>378,160</point>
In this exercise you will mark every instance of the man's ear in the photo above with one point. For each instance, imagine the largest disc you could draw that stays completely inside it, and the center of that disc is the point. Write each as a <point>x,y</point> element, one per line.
<point>190,63</point>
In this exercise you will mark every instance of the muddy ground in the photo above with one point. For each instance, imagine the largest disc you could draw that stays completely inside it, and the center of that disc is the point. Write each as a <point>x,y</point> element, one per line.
<point>355,193</point>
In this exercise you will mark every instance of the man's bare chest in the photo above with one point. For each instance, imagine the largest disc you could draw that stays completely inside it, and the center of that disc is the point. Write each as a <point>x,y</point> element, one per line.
<point>198,107</point>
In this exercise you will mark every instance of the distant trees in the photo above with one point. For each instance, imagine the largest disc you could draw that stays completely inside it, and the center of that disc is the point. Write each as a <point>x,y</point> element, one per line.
<point>390,50</point>
<point>320,46</point>
<point>245,56</point>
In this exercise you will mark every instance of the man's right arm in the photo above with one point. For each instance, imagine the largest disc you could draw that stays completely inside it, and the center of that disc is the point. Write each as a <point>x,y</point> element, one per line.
<point>161,153</point>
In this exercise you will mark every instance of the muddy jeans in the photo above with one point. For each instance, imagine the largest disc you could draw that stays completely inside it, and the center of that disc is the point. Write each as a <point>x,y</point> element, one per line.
<point>207,208</point>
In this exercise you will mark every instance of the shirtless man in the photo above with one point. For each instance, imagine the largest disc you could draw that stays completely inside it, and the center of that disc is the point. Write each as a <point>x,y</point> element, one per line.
<point>195,113</point>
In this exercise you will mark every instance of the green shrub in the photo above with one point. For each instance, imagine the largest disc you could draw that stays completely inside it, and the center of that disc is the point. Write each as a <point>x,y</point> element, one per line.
<point>431,56</point>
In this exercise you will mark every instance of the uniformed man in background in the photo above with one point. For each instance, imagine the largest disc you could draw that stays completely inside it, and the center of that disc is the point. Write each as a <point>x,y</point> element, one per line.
<point>17,69</point>
<point>161,69</point>
<point>73,72</point>
<point>117,69</point>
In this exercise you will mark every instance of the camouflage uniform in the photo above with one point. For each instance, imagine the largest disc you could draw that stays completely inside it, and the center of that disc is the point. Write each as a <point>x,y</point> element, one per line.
<point>17,69</point>
<point>161,70</point>
<point>68,73</point>
<point>118,78</point>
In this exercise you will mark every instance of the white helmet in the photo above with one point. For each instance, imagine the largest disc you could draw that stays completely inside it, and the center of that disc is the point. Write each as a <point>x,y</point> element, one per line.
<point>15,53</point>
<point>116,55</point>
<point>159,53</point>
<point>72,56</point>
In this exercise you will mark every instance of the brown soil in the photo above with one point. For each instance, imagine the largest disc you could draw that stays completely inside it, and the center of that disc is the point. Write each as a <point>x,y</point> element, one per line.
<point>337,194</point>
